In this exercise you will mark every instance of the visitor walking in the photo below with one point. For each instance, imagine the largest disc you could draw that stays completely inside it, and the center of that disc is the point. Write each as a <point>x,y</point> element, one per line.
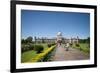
<point>67,46</point>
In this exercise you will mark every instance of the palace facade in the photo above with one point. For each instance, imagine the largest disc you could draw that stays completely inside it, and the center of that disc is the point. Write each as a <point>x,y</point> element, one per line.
<point>58,39</point>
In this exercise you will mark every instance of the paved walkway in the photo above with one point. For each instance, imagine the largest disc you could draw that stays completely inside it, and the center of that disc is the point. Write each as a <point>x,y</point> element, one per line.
<point>73,54</point>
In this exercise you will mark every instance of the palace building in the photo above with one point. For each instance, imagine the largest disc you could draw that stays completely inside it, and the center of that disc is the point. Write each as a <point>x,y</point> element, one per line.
<point>58,39</point>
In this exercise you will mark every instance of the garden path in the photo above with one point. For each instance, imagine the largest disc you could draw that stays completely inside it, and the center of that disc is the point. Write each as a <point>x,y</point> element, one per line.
<point>72,54</point>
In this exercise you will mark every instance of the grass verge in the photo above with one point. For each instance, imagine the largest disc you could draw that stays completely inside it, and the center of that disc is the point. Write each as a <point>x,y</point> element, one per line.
<point>26,56</point>
<point>83,47</point>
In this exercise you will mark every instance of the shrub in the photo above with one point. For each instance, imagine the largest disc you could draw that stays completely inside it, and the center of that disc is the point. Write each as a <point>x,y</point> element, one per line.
<point>71,44</point>
<point>38,48</point>
<point>31,46</point>
<point>77,45</point>
<point>49,45</point>
<point>41,56</point>
<point>53,44</point>
<point>26,47</point>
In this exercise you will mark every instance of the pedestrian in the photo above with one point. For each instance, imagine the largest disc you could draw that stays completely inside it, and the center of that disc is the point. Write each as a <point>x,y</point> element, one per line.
<point>67,46</point>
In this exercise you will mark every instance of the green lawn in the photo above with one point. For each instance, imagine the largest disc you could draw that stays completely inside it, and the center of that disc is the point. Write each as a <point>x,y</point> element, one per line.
<point>29,55</point>
<point>83,47</point>
<point>26,56</point>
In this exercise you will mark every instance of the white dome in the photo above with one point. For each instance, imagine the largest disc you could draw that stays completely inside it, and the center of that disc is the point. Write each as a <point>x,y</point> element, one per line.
<point>59,33</point>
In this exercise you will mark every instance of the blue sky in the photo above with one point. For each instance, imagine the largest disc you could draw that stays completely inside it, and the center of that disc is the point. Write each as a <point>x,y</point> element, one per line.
<point>48,23</point>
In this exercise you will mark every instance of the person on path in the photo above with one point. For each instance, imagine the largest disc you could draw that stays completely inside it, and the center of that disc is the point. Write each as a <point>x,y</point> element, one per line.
<point>67,46</point>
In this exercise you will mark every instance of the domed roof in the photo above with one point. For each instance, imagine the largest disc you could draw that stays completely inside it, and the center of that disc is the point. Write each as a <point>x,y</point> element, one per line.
<point>59,33</point>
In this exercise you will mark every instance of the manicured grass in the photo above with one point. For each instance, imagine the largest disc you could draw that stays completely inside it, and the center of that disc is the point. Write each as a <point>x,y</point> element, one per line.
<point>83,47</point>
<point>26,56</point>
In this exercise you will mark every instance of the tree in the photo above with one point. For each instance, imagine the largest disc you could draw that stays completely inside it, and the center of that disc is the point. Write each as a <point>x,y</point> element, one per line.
<point>82,40</point>
<point>35,39</point>
<point>88,40</point>
<point>22,41</point>
<point>29,39</point>
<point>43,40</point>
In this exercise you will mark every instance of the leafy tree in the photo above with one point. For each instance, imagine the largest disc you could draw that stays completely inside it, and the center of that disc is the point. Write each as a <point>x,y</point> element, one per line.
<point>35,39</point>
<point>82,40</point>
<point>85,40</point>
<point>88,40</point>
<point>29,39</point>
<point>43,40</point>
<point>22,41</point>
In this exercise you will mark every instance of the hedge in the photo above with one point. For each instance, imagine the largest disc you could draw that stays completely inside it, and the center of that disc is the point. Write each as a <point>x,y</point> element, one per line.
<point>43,54</point>
<point>50,44</point>
<point>26,47</point>
<point>38,48</point>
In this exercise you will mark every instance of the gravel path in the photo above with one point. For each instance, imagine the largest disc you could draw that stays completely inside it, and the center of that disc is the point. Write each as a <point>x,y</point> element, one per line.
<point>72,54</point>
